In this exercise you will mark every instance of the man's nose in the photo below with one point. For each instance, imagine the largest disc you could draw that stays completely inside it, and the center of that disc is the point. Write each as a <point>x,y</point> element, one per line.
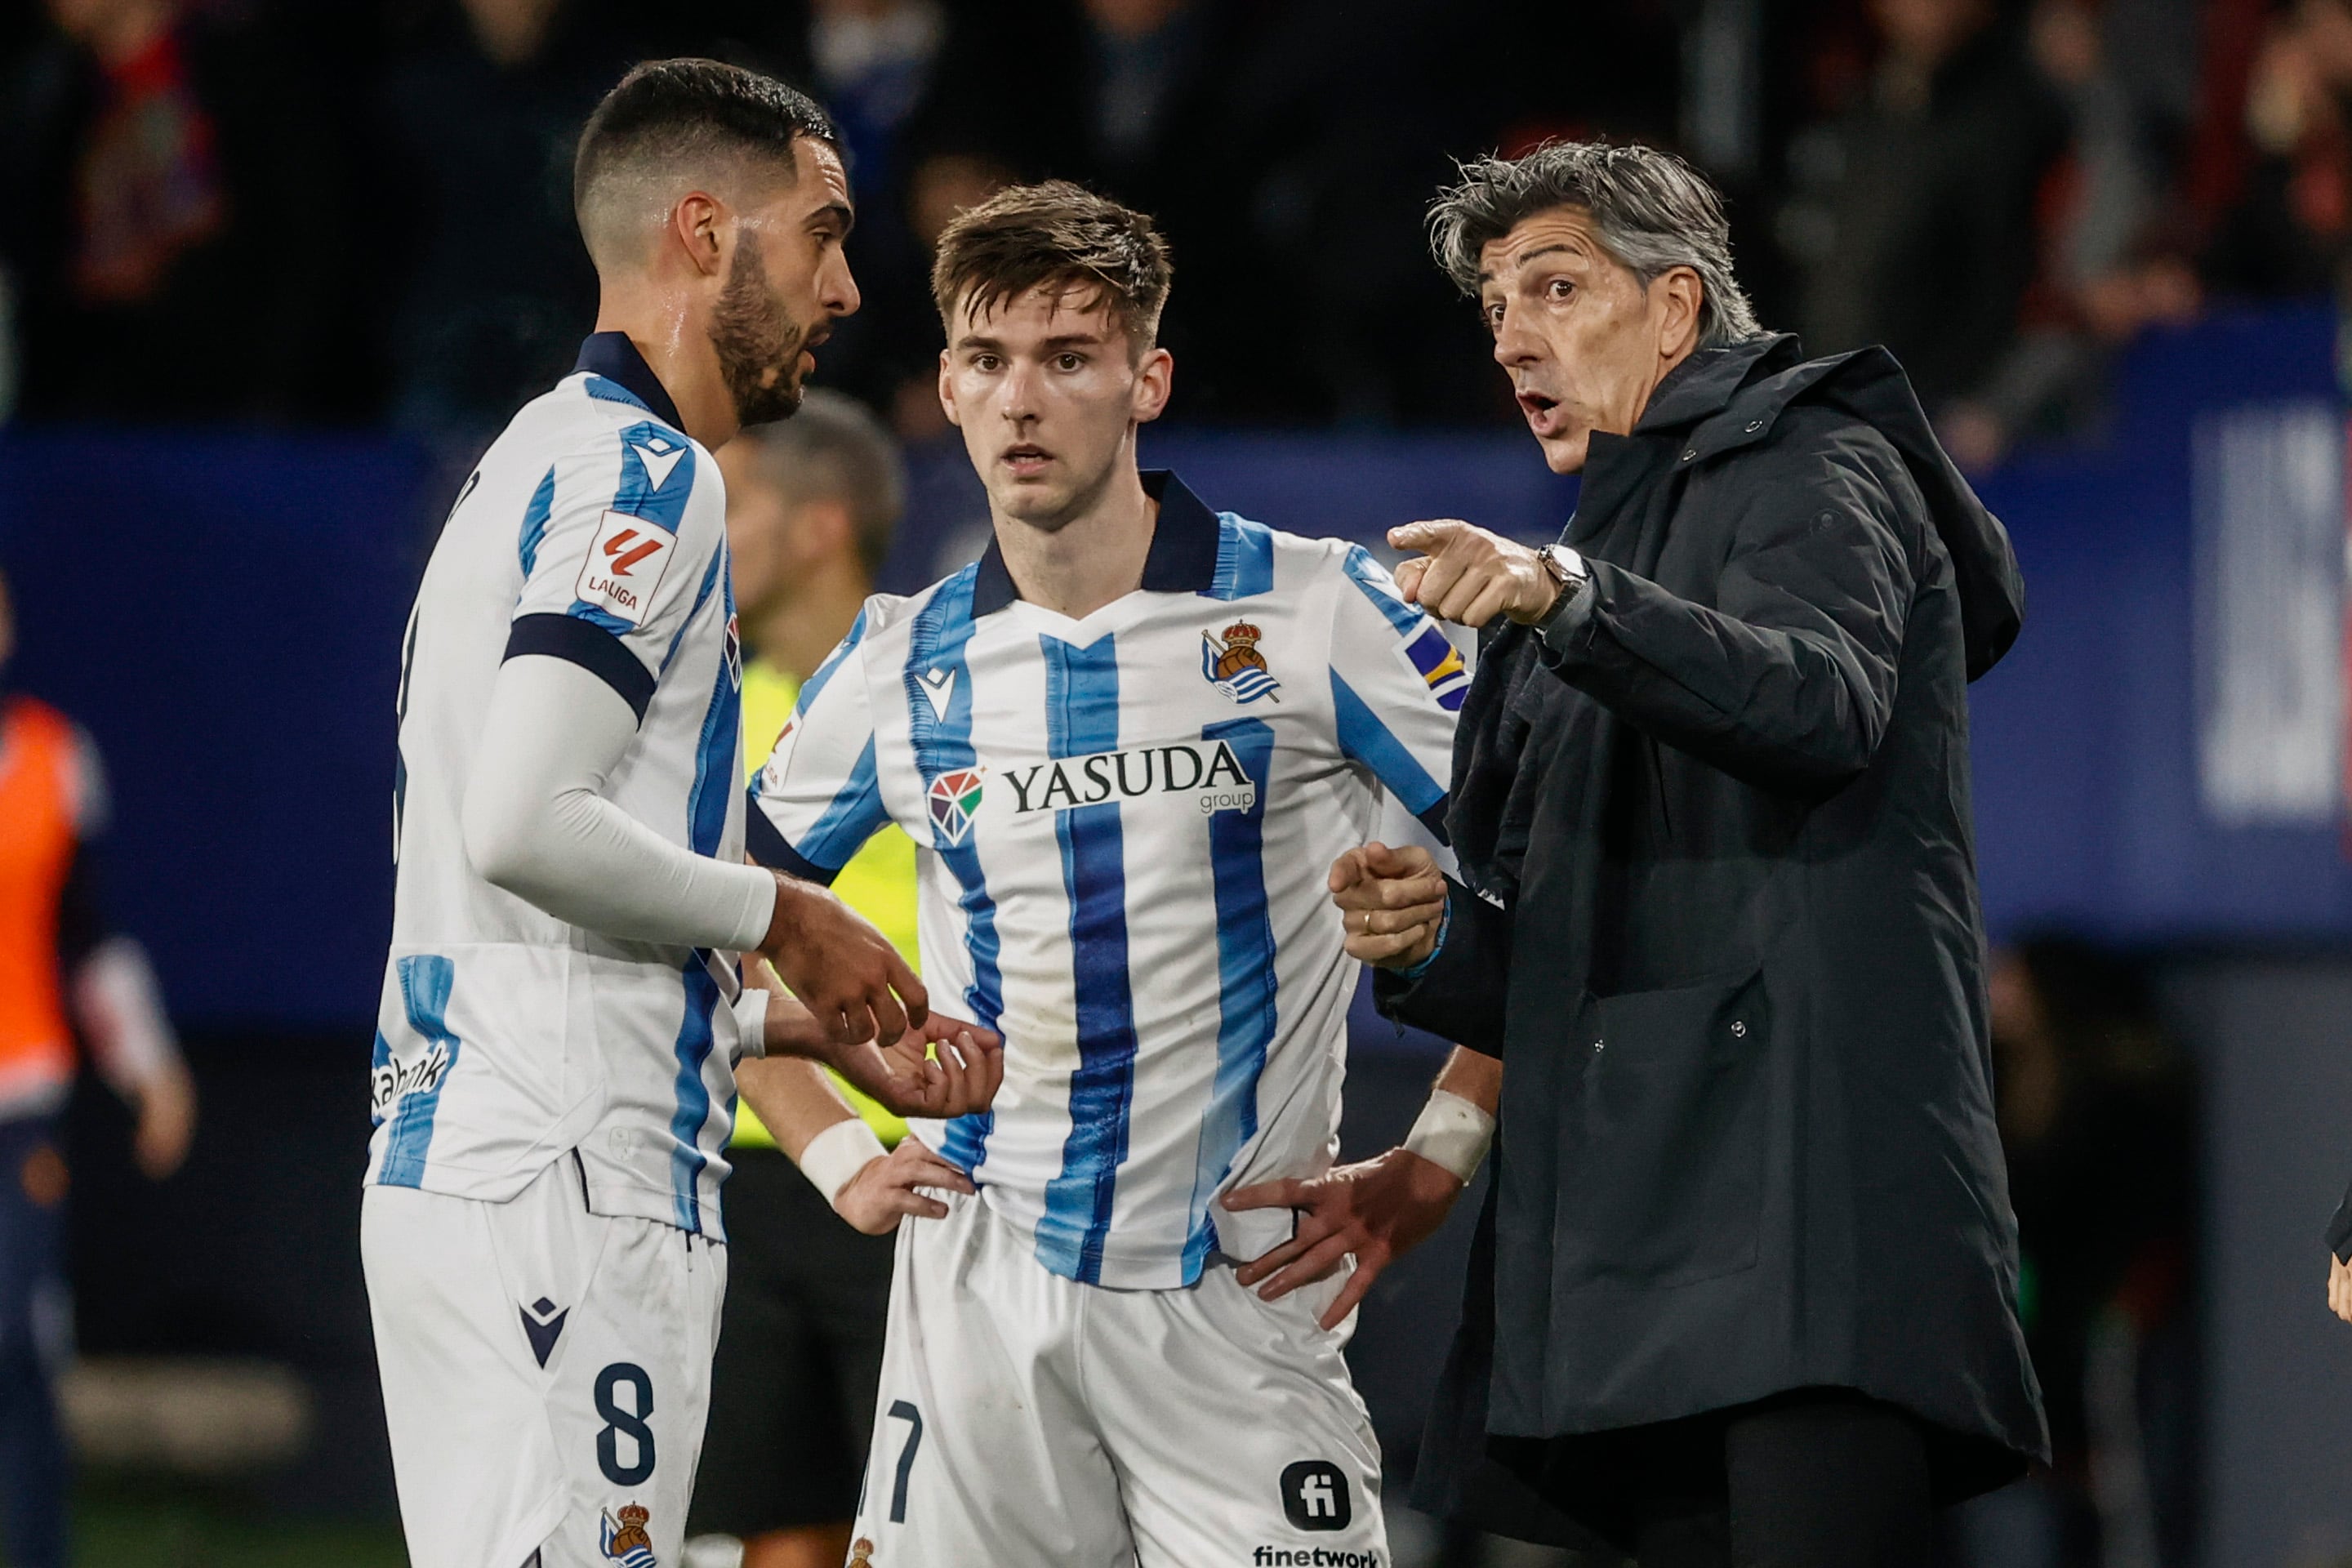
<point>1514,344</point>
<point>839,287</point>
<point>1020,383</point>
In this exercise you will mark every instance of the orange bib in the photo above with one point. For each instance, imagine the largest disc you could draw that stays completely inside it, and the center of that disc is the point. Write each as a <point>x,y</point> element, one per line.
<point>37,833</point>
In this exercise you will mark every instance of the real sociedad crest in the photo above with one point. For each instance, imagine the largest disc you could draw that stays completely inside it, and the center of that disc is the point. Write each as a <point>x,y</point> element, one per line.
<point>1235,667</point>
<point>954,797</point>
<point>627,1540</point>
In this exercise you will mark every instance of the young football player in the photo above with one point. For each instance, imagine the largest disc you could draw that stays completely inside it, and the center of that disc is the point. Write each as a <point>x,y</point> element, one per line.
<point>1130,739</point>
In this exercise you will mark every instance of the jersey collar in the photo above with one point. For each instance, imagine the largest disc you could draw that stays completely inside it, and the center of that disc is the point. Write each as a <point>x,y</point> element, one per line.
<point>613,356</point>
<point>1183,557</point>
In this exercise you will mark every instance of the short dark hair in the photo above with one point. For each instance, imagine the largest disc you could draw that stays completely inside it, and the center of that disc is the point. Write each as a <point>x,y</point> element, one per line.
<point>684,112</point>
<point>835,449</point>
<point>1054,233</point>
<point>1650,210</point>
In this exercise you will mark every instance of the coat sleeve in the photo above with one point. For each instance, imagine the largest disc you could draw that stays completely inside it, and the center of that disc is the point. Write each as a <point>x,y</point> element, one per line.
<point>1789,681</point>
<point>1460,995</point>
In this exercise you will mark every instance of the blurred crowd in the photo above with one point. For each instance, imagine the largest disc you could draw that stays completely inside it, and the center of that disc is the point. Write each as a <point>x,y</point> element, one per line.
<point>357,211</point>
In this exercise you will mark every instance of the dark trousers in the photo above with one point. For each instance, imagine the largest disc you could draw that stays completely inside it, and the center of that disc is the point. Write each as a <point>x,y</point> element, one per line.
<point>1819,1479</point>
<point>33,1466</point>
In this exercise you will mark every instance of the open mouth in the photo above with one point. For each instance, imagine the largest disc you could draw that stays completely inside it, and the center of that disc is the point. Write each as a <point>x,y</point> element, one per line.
<point>1545,413</point>
<point>1027,458</point>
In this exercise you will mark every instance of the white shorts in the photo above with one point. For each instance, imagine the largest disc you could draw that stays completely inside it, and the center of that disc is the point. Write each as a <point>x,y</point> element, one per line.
<point>1026,1420</point>
<point>546,1372</point>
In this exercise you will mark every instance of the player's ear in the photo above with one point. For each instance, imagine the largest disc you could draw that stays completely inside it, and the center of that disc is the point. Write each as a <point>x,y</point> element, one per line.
<point>947,392</point>
<point>698,222</point>
<point>1154,380</point>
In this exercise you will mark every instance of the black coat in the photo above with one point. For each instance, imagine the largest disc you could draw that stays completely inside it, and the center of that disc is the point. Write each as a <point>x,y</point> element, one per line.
<point>1729,945</point>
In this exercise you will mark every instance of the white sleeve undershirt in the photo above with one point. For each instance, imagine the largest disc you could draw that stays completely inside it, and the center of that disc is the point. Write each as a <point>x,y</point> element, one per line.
<point>537,823</point>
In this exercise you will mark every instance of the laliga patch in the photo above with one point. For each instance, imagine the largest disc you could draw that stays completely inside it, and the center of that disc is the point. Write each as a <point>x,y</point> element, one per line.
<point>625,566</point>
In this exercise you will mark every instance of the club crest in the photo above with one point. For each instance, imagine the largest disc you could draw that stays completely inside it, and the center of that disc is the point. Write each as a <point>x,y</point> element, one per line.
<point>1234,665</point>
<point>627,1539</point>
<point>954,798</point>
<point>861,1554</point>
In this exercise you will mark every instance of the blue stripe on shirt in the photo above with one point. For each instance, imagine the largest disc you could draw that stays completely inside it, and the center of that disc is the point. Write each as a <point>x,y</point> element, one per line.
<point>534,522</point>
<point>637,494</point>
<point>715,767</point>
<point>1244,558</point>
<point>380,1060</point>
<point>425,981</point>
<point>940,740</point>
<point>1377,586</point>
<point>816,683</point>
<point>686,1160</point>
<point>1364,738</point>
<point>1081,718</point>
<point>711,575</point>
<point>854,815</point>
<point>1246,981</point>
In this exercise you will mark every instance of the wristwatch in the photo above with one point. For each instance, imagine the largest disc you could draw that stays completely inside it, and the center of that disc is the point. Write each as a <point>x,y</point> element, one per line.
<point>1567,571</point>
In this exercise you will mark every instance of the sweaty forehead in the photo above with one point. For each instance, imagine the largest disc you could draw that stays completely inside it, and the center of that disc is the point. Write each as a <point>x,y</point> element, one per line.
<point>822,160</point>
<point>1554,232</point>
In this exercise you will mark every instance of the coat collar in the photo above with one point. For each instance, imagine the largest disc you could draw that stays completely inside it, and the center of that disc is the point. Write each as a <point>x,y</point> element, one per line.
<point>613,356</point>
<point>1183,560</point>
<point>1721,400</point>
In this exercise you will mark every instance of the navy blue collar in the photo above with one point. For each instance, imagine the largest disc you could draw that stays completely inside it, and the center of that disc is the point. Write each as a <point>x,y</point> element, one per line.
<point>613,356</point>
<point>1183,558</point>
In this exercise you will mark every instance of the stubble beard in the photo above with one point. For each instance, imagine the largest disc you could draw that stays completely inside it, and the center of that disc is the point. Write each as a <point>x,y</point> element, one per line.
<point>758,344</point>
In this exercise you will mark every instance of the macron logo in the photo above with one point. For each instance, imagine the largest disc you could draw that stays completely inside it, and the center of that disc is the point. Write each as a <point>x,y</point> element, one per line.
<point>660,459</point>
<point>939,685</point>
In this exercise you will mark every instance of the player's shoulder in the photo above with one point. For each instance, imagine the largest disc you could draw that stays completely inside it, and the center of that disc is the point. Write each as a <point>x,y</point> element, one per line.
<point>885,621</point>
<point>1301,563</point>
<point>1256,558</point>
<point>588,420</point>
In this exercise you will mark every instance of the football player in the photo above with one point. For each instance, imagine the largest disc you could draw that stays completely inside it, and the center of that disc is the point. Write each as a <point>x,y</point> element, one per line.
<point>561,1008</point>
<point>1129,740</point>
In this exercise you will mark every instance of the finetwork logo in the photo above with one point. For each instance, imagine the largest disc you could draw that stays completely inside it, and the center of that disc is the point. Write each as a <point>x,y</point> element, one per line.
<point>1312,1557</point>
<point>1315,1496</point>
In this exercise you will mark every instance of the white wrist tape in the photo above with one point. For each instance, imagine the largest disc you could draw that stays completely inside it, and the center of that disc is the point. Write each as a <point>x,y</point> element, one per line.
<point>1452,1133</point>
<point>750,1024</point>
<point>837,1153</point>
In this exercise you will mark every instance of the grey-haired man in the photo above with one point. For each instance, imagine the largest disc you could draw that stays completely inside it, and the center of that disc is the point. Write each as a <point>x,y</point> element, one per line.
<point>1744,1291</point>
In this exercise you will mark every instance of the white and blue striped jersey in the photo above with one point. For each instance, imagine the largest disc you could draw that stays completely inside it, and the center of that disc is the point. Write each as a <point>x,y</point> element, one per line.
<point>594,529</point>
<point>1127,824</point>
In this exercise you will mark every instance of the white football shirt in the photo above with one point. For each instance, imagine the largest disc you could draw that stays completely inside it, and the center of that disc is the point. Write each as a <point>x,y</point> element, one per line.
<point>592,530</point>
<point>1128,821</point>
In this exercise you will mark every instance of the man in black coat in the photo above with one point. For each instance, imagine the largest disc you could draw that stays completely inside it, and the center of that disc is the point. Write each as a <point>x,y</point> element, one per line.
<point>1744,1290</point>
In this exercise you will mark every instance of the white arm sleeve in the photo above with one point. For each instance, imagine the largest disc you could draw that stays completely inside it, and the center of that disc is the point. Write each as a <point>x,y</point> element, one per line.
<point>537,823</point>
